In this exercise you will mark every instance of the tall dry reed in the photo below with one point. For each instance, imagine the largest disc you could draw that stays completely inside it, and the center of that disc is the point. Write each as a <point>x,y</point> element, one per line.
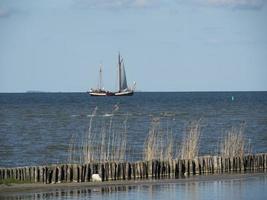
<point>234,143</point>
<point>159,143</point>
<point>190,146</point>
<point>106,142</point>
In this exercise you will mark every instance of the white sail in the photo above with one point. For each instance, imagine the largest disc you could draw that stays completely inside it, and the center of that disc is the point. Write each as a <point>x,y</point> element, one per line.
<point>123,80</point>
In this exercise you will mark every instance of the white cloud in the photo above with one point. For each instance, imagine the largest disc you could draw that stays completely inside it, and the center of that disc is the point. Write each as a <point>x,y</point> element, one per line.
<point>118,3</point>
<point>238,3</point>
<point>150,3</point>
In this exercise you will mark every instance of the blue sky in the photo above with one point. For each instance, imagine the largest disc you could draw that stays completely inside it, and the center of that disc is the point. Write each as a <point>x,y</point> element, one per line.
<point>179,45</point>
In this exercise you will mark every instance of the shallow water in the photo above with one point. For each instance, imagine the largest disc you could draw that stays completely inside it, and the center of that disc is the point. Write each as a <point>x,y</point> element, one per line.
<point>36,128</point>
<point>240,188</point>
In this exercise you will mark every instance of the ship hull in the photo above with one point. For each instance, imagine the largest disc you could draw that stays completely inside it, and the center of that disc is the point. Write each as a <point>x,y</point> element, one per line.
<point>127,93</point>
<point>101,94</point>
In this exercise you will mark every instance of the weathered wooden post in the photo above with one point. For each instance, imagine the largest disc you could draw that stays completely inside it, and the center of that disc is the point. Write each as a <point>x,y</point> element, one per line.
<point>226,164</point>
<point>241,163</point>
<point>179,167</point>
<point>146,165</point>
<point>203,164</point>
<point>86,171</point>
<point>265,161</point>
<point>251,163</point>
<point>59,174</point>
<point>235,164</point>
<point>245,162</point>
<point>172,168</point>
<point>7,173</point>
<point>255,162</point>
<point>191,166</point>
<point>134,170</point>
<point>154,168</point>
<point>124,164</point>
<point>75,173</point>
<point>143,169</point>
<point>1,174</point>
<point>120,170</point>
<point>261,161</point>
<point>65,173</point>
<point>36,174</point>
<point>21,174</point>
<point>196,160</point>
<point>27,174</point>
<point>215,164</point>
<point>40,172</point>
<point>31,170</point>
<point>209,164</point>
<point>115,170</point>
<point>54,174</point>
<point>137,170</point>
<point>149,168</point>
<point>90,171</point>
<point>81,175</point>
<point>69,173</point>
<point>12,175</point>
<point>102,171</point>
<point>129,171</point>
<point>106,171</point>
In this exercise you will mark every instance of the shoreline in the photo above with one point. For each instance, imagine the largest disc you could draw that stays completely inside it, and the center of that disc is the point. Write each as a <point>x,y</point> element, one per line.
<point>40,187</point>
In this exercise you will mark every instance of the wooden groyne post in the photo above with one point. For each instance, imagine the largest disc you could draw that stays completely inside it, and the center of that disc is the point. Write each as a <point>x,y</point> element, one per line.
<point>154,169</point>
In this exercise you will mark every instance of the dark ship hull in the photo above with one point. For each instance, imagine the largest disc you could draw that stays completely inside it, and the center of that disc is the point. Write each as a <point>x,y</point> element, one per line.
<point>101,93</point>
<point>126,93</point>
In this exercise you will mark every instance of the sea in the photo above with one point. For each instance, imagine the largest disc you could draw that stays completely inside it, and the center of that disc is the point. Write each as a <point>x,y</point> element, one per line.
<point>41,128</point>
<point>38,128</point>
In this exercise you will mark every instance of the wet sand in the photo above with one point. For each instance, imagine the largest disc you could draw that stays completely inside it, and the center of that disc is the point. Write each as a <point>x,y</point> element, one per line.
<point>37,187</point>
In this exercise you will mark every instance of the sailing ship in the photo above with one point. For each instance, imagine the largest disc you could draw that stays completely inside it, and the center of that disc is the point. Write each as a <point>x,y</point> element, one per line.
<point>123,89</point>
<point>100,91</point>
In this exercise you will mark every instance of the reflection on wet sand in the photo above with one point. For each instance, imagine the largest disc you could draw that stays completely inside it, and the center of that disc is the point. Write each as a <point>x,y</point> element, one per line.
<point>67,193</point>
<point>242,187</point>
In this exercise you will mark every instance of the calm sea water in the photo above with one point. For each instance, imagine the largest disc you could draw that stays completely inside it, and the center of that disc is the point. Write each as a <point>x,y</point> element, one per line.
<point>36,128</point>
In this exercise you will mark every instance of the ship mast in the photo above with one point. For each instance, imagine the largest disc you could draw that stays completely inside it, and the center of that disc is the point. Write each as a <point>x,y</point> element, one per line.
<point>100,77</point>
<point>119,71</point>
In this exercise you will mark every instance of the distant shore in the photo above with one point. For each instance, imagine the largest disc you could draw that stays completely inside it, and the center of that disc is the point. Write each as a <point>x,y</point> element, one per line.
<point>6,190</point>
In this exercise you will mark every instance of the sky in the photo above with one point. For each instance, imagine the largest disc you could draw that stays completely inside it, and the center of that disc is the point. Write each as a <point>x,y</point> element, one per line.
<point>178,45</point>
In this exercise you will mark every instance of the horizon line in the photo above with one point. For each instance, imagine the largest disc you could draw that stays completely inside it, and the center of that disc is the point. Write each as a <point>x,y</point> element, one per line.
<point>139,91</point>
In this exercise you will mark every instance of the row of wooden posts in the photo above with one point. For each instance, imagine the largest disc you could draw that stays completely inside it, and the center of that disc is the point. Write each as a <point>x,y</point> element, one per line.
<point>136,170</point>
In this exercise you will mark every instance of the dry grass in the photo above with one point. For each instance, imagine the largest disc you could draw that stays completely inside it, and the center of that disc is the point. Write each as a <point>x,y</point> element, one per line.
<point>234,143</point>
<point>159,143</point>
<point>100,143</point>
<point>190,145</point>
<point>71,150</point>
<point>107,144</point>
<point>106,140</point>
